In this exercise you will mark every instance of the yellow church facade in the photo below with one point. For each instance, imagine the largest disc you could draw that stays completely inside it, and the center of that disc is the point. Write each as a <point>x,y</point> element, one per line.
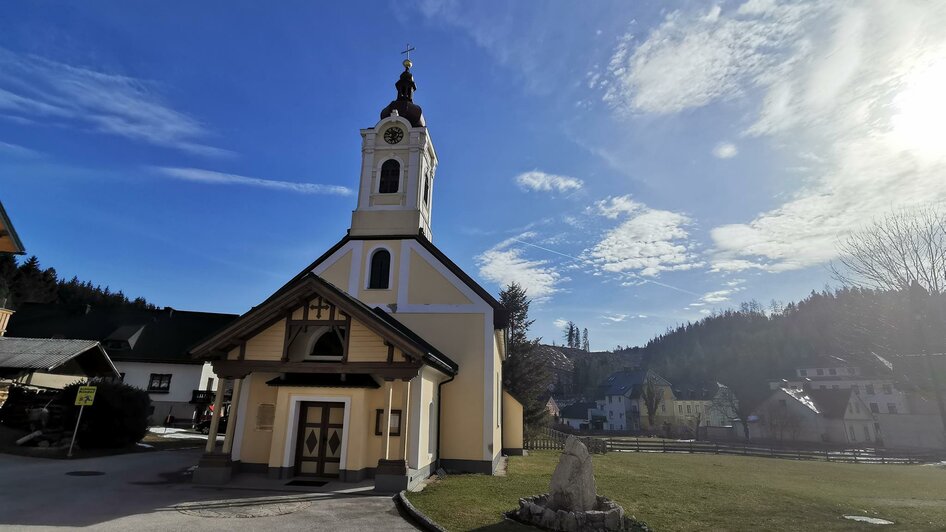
<point>382,359</point>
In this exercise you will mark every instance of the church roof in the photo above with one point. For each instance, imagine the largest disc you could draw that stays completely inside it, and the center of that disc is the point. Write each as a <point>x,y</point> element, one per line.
<point>500,315</point>
<point>404,103</point>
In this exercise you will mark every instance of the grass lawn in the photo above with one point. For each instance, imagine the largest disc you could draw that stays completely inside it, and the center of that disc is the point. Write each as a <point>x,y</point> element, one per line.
<point>708,492</point>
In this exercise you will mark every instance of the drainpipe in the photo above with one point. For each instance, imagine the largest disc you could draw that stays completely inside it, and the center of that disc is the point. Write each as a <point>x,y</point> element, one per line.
<point>440,415</point>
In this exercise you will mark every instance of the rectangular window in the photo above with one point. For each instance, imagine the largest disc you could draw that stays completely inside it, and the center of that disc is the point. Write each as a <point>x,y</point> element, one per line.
<point>892,408</point>
<point>663,407</point>
<point>688,409</point>
<point>610,399</point>
<point>432,429</point>
<point>874,408</point>
<point>869,388</point>
<point>803,372</point>
<point>820,371</point>
<point>888,389</point>
<point>680,409</point>
<point>833,371</point>
<point>835,387</point>
<point>394,429</point>
<point>851,432</point>
<point>265,416</point>
<point>866,433</point>
<point>159,382</point>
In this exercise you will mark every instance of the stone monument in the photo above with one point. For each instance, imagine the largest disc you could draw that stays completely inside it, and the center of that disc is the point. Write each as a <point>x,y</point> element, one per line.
<point>572,503</point>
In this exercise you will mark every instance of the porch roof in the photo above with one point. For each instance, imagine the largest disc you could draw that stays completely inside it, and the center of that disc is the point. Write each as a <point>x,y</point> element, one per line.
<point>275,309</point>
<point>325,380</point>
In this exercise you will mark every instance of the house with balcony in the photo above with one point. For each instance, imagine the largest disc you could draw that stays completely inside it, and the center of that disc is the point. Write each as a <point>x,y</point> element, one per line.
<point>149,348</point>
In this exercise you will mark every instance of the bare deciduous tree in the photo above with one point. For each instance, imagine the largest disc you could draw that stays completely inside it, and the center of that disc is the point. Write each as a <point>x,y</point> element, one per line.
<point>896,250</point>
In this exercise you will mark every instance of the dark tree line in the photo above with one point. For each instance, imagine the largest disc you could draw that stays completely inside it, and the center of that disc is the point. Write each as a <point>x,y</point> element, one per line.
<point>29,282</point>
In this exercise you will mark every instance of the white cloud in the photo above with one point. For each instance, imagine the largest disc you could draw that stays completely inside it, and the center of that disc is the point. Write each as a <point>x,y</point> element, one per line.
<point>504,264</point>
<point>218,178</point>
<point>717,296</point>
<point>697,57</point>
<point>648,241</point>
<point>560,323</point>
<point>615,318</point>
<point>541,181</point>
<point>725,150</point>
<point>852,89</point>
<point>38,90</point>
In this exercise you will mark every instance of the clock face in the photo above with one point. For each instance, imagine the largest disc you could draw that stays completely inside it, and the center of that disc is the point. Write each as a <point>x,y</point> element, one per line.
<point>393,135</point>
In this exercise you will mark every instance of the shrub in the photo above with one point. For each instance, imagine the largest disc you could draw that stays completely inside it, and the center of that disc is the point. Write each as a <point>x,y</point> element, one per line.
<point>117,418</point>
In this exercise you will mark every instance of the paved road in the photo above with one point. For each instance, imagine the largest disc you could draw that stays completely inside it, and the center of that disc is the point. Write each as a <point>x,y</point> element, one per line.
<point>151,491</point>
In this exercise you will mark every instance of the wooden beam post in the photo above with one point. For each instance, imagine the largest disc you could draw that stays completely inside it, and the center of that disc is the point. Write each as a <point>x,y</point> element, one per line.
<point>215,418</point>
<point>232,418</point>
<point>386,430</point>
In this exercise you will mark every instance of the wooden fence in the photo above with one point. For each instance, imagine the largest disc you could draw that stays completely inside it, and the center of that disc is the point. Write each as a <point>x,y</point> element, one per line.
<point>553,440</point>
<point>857,456</point>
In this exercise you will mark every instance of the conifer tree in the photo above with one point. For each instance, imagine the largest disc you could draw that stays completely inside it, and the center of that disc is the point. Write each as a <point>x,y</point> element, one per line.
<point>585,344</point>
<point>525,377</point>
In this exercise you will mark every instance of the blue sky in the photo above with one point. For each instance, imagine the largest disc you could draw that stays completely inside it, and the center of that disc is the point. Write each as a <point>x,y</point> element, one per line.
<point>634,164</point>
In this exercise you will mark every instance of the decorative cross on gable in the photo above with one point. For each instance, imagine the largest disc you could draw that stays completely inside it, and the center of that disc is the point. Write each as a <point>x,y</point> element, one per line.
<point>319,306</point>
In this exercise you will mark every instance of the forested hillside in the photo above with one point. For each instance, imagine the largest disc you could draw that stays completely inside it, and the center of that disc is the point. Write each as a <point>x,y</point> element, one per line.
<point>29,282</point>
<point>744,348</point>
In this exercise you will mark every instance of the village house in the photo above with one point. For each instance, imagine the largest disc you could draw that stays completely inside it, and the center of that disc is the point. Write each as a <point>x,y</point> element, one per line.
<point>816,416</point>
<point>868,375</point>
<point>382,359</point>
<point>624,407</point>
<point>9,240</point>
<point>702,406</point>
<point>149,349</point>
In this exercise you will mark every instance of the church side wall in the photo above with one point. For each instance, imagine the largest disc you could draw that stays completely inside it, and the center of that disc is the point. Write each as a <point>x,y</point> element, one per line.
<point>460,336</point>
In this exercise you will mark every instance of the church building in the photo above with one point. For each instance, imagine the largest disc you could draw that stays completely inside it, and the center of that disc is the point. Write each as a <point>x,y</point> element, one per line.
<point>382,359</point>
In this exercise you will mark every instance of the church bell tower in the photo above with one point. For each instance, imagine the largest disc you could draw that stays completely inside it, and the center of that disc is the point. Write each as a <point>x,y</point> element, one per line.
<point>398,163</point>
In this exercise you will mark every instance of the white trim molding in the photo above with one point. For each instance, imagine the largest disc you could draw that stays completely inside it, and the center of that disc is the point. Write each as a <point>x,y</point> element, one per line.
<point>292,426</point>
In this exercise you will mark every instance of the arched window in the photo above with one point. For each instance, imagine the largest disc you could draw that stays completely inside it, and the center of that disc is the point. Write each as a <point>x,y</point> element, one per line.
<point>390,177</point>
<point>380,269</point>
<point>328,345</point>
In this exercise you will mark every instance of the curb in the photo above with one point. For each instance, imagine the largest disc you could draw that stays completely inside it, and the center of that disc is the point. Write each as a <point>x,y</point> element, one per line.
<point>425,522</point>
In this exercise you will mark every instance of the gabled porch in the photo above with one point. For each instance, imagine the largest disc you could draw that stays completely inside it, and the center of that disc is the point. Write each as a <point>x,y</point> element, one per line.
<point>311,406</point>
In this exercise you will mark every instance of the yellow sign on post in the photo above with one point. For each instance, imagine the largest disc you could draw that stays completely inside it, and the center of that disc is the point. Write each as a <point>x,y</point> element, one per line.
<point>85,396</point>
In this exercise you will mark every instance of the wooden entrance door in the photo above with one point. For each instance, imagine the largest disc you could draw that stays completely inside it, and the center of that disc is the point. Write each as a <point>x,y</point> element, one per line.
<point>319,445</point>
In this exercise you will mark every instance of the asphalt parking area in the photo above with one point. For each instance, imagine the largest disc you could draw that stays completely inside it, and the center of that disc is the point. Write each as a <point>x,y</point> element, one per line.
<point>152,491</point>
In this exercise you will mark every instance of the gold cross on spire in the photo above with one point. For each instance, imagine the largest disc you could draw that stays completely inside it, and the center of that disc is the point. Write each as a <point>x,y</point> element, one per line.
<point>407,62</point>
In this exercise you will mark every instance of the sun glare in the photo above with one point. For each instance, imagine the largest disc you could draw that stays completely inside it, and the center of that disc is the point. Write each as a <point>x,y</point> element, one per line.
<point>919,124</point>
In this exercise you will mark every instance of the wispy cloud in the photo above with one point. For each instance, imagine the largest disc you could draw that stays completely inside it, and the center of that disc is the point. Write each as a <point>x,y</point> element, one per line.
<point>18,151</point>
<point>541,181</point>
<point>218,178</point>
<point>725,150</point>
<point>506,263</point>
<point>648,241</point>
<point>615,318</point>
<point>847,88</point>
<point>38,90</point>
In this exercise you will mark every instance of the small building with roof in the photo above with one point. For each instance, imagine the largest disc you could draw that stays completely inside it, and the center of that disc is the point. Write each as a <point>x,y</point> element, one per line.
<point>815,416</point>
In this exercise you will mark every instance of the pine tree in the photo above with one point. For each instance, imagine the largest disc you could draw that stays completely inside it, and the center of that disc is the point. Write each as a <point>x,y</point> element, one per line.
<point>525,377</point>
<point>585,344</point>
